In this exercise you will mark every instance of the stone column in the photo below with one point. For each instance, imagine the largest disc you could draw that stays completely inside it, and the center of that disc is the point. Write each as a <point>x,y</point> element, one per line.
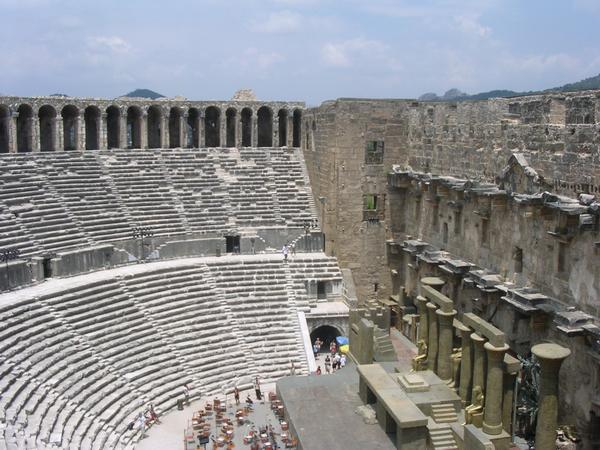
<point>466,366</point>
<point>102,131</point>
<point>35,133</point>
<point>59,134</point>
<point>184,130</point>
<point>164,131</point>
<point>423,320</point>
<point>144,130</point>
<point>12,132</point>
<point>254,129</point>
<point>80,133</point>
<point>492,416</point>
<point>508,401</point>
<point>550,357</point>
<point>446,334</point>
<point>201,124</point>
<point>290,129</point>
<point>222,128</point>
<point>275,130</point>
<point>432,345</point>
<point>123,130</point>
<point>478,363</point>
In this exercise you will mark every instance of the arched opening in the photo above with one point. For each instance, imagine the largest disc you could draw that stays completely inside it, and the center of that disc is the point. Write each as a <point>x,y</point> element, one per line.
<point>327,334</point>
<point>193,128</point>
<point>47,116</point>
<point>113,127</point>
<point>212,126</point>
<point>297,125</point>
<point>70,117</point>
<point>91,117</point>
<point>265,127</point>
<point>246,127</point>
<point>154,127</point>
<point>230,126</point>
<point>283,120</point>
<point>175,116</point>
<point>134,127</point>
<point>24,129</point>
<point>4,128</point>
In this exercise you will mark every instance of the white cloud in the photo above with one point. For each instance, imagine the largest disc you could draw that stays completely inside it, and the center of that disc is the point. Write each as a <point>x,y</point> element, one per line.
<point>278,22</point>
<point>342,54</point>
<point>253,60</point>
<point>111,44</point>
<point>470,25</point>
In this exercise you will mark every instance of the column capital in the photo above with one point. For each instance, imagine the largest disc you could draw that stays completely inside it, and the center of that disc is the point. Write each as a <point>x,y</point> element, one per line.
<point>445,315</point>
<point>494,351</point>
<point>552,353</point>
<point>477,339</point>
<point>431,306</point>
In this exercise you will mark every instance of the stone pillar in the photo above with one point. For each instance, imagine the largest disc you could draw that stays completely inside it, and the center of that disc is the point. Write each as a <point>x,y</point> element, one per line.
<point>446,334</point>
<point>254,129</point>
<point>222,128</point>
<point>80,134</point>
<point>466,366</point>
<point>12,132</point>
<point>102,131</point>
<point>432,345</point>
<point>508,400</point>
<point>59,134</point>
<point>182,130</point>
<point>492,416</point>
<point>201,125</point>
<point>290,130</point>
<point>123,130</point>
<point>478,363</point>
<point>144,130</point>
<point>423,320</point>
<point>275,130</point>
<point>550,357</point>
<point>35,133</point>
<point>164,131</point>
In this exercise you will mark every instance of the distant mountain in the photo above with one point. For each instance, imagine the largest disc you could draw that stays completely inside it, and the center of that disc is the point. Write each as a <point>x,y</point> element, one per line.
<point>144,93</point>
<point>454,94</point>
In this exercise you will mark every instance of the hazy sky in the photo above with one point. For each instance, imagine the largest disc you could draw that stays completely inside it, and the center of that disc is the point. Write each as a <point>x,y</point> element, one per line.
<point>310,50</point>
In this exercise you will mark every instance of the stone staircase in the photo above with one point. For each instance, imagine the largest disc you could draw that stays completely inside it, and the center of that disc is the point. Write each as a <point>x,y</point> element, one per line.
<point>441,437</point>
<point>383,349</point>
<point>443,413</point>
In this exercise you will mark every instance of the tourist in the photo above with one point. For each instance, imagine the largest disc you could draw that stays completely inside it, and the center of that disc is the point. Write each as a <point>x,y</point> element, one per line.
<point>292,368</point>
<point>327,364</point>
<point>236,395</point>
<point>257,389</point>
<point>141,423</point>
<point>342,361</point>
<point>285,250</point>
<point>152,414</point>
<point>318,370</point>
<point>332,348</point>
<point>336,361</point>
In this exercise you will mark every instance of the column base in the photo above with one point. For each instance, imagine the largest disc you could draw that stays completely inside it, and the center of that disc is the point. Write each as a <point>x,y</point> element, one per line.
<point>492,429</point>
<point>501,441</point>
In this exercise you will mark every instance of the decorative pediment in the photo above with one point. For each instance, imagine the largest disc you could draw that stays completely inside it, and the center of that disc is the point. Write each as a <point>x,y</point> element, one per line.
<point>519,177</point>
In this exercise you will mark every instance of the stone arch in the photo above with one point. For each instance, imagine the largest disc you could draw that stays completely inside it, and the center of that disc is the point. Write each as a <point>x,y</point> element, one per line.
<point>327,334</point>
<point>246,127</point>
<point>24,129</point>
<point>212,126</point>
<point>47,117</point>
<point>134,127</point>
<point>4,128</point>
<point>296,128</point>
<point>193,128</point>
<point>155,130</point>
<point>70,119</point>
<point>175,116</point>
<point>113,127</point>
<point>230,117</point>
<point>91,118</point>
<point>283,126</point>
<point>265,127</point>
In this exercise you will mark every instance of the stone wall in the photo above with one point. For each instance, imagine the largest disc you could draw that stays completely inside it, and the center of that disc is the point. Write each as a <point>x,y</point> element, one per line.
<point>557,134</point>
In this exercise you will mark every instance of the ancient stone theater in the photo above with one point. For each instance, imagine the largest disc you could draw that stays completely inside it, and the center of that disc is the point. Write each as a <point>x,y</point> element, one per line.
<point>158,256</point>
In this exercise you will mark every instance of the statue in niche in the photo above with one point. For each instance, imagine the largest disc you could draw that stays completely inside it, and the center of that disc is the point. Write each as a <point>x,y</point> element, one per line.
<point>476,407</point>
<point>419,362</point>
<point>456,358</point>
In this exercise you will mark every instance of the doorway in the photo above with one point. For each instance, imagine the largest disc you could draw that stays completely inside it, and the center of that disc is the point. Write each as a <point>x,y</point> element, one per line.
<point>232,244</point>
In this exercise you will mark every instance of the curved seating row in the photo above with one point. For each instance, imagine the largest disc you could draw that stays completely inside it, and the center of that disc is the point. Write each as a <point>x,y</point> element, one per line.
<point>81,357</point>
<point>64,200</point>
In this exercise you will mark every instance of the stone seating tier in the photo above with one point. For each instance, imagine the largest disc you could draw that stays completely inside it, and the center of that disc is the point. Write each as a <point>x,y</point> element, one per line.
<point>61,201</point>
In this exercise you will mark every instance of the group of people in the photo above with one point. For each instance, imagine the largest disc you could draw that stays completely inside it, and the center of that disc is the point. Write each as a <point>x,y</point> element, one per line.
<point>144,420</point>
<point>334,359</point>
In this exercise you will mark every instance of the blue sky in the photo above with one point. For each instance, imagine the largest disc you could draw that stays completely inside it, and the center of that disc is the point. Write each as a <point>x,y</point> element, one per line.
<point>310,50</point>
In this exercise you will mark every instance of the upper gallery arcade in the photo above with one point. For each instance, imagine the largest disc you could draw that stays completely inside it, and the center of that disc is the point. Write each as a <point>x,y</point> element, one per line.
<point>65,123</point>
